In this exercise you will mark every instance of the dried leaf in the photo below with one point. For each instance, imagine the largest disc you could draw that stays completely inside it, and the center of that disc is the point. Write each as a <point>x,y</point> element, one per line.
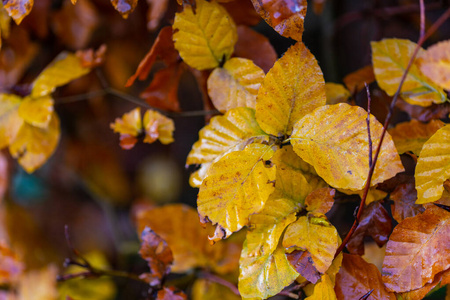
<point>410,136</point>
<point>205,38</point>
<point>255,46</point>
<point>323,290</point>
<point>441,279</point>
<point>376,223</point>
<point>433,167</point>
<point>355,81</point>
<point>417,250</point>
<point>124,7</point>
<point>390,58</point>
<point>356,277</point>
<point>158,127</point>
<point>236,84</point>
<point>336,93</point>
<point>405,196</point>
<point>204,289</point>
<point>18,9</point>
<point>304,265</point>
<point>11,267</point>
<point>156,11</point>
<point>129,127</point>
<point>158,255</point>
<point>435,64</point>
<point>91,59</point>
<point>293,88</point>
<point>320,201</point>
<point>10,121</point>
<point>236,186</point>
<point>327,137</point>
<point>170,293</point>
<point>285,16</point>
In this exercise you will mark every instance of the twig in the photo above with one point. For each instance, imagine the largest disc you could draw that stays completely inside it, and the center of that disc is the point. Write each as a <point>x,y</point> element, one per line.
<point>369,100</point>
<point>367,295</point>
<point>80,97</point>
<point>75,251</point>
<point>422,18</point>
<point>220,280</point>
<point>430,31</point>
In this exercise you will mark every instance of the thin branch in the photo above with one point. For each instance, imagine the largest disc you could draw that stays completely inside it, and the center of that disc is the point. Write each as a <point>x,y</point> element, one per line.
<point>220,280</point>
<point>422,18</point>
<point>366,296</point>
<point>80,97</point>
<point>369,100</point>
<point>430,31</point>
<point>71,247</point>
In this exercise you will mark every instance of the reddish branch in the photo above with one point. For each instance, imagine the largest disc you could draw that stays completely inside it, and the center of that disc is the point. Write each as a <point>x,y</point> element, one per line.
<point>422,39</point>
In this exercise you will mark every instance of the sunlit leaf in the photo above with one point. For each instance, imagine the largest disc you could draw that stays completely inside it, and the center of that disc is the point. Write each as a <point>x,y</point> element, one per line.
<point>417,250</point>
<point>323,289</point>
<point>18,9</point>
<point>64,68</point>
<point>410,136</point>
<point>36,111</point>
<point>336,93</point>
<point>390,58</point>
<point>285,16</point>
<point>206,38</point>
<point>320,201</point>
<point>33,145</point>
<point>11,267</point>
<point>433,167</point>
<point>204,289</point>
<point>234,85</point>
<point>158,127</point>
<point>357,277</point>
<point>435,64</point>
<point>376,223</point>
<point>10,121</point>
<point>124,7</point>
<point>334,140</point>
<point>129,127</point>
<point>405,196</point>
<point>293,88</point>
<point>355,80</point>
<point>440,279</point>
<point>236,186</point>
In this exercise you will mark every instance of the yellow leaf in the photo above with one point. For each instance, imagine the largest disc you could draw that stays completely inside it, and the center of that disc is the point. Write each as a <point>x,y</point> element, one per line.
<point>224,134</point>
<point>205,38</point>
<point>33,145</point>
<point>204,289</point>
<point>264,276</point>
<point>390,58</point>
<point>18,9</point>
<point>435,64</point>
<point>410,136</point>
<point>293,88</point>
<point>196,178</point>
<point>334,140</point>
<point>10,121</point>
<point>37,111</point>
<point>129,127</point>
<point>433,167</point>
<point>315,234</point>
<point>336,93</point>
<point>323,290</point>
<point>236,186</point>
<point>158,126</point>
<point>64,68</point>
<point>236,84</point>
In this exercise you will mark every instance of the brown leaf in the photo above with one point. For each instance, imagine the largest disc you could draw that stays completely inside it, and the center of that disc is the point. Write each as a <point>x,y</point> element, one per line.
<point>355,80</point>
<point>405,196</point>
<point>442,279</point>
<point>18,9</point>
<point>170,293</point>
<point>124,7</point>
<point>376,223</point>
<point>156,11</point>
<point>158,255</point>
<point>356,277</point>
<point>304,265</point>
<point>163,48</point>
<point>255,46</point>
<point>424,114</point>
<point>242,12</point>
<point>11,267</point>
<point>285,16</point>
<point>91,59</point>
<point>320,200</point>
<point>163,90</point>
<point>417,250</point>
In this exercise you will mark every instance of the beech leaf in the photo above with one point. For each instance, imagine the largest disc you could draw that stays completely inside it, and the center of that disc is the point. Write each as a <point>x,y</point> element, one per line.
<point>293,88</point>
<point>234,85</point>
<point>334,140</point>
<point>37,111</point>
<point>10,121</point>
<point>435,64</point>
<point>390,58</point>
<point>18,9</point>
<point>433,167</point>
<point>336,93</point>
<point>356,80</point>
<point>320,201</point>
<point>323,289</point>
<point>124,7</point>
<point>417,250</point>
<point>285,16</point>
<point>206,37</point>
<point>236,186</point>
<point>129,127</point>
<point>158,127</point>
<point>405,196</point>
<point>440,279</point>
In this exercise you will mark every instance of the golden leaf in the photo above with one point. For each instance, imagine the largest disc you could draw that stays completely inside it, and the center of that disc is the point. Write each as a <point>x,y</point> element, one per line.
<point>236,186</point>
<point>18,9</point>
<point>10,121</point>
<point>417,250</point>
<point>129,127</point>
<point>435,64</point>
<point>323,289</point>
<point>334,140</point>
<point>158,126</point>
<point>37,111</point>
<point>336,93</point>
<point>432,167</point>
<point>204,38</point>
<point>234,85</point>
<point>390,58</point>
<point>356,81</point>
<point>293,88</point>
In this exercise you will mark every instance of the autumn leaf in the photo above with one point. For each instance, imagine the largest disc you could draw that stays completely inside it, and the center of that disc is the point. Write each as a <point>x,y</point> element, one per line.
<point>326,138</point>
<point>424,114</point>
<point>90,58</point>
<point>285,16</point>
<point>435,64</point>
<point>336,93</point>
<point>320,201</point>
<point>356,81</point>
<point>293,88</point>
<point>11,267</point>
<point>39,284</point>
<point>236,186</point>
<point>357,277</point>
<point>129,127</point>
<point>204,38</point>
<point>124,7</point>
<point>432,167</point>
<point>234,85</point>
<point>441,279</point>
<point>18,9</point>
<point>10,121</point>
<point>417,250</point>
<point>390,58</point>
<point>170,293</point>
<point>158,127</point>
<point>404,197</point>
<point>204,289</point>
<point>410,136</point>
<point>36,111</point>
<point>323,289</point>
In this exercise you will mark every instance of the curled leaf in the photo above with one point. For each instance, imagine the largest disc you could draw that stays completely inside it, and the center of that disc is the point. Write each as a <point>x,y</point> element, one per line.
<point>129,127</point>
<point>158,127</point>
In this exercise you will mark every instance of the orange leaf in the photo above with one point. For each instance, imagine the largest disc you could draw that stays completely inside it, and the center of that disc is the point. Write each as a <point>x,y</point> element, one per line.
<point>91,59</point>
<point>18,9</point>
<point>435,64</point>
<point>357,277</point>
<point>440,279</point>
<point>11,267</point>
<point>285,16</point>
<point>320,200</point>
<point>355,80</point>
<point>124,7</point>
<point>158,127</point>
<point>417,250</point>
<point>129,127</point>
<point>404,206</point>
<point>170,293</point>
